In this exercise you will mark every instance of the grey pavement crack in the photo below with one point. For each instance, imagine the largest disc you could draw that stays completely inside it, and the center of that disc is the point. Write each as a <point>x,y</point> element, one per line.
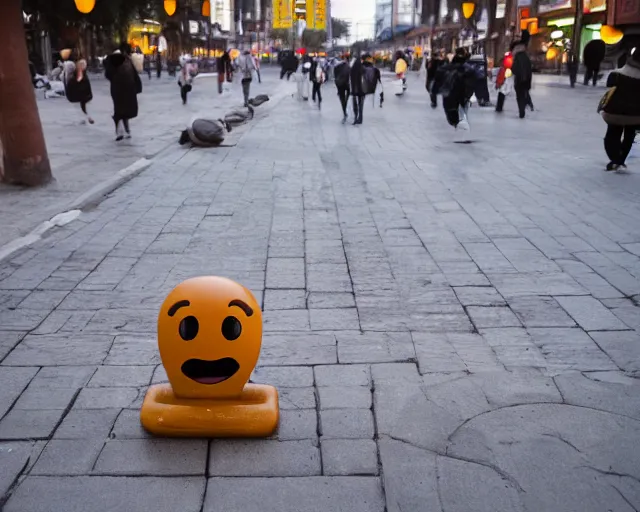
<point>612,473</point>
<point>560,438</point>
<point>624,498</point>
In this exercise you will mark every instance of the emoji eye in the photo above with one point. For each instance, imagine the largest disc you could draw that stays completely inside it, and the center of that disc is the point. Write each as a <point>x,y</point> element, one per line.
<point>188,328</point>
<point>231,328</point>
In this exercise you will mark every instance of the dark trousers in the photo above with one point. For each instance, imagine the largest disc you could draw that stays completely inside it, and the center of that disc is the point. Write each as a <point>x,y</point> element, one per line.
<point>125,123</point>
<point>343,94</point>
<point>246,87</point>
<point>316,92</point>
<point>591,74</point>
<point>184,91</point>
<point>618,142</point>
<point>358,108</point>
<point>500,102</point>
<point>523,99</point>
<point>259,77</point>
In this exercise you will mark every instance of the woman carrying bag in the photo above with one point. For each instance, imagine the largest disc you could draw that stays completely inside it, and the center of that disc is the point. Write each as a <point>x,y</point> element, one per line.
<point>620,109</point>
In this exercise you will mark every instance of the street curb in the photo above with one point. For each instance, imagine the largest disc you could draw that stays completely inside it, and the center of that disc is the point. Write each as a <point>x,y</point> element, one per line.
<point>73,211</point>
<point>96,193</point>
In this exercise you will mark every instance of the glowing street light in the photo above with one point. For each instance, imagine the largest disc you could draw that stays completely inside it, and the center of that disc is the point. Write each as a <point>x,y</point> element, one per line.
<point>468,8</point>
<point>170,7</point>
<point>610,35</point>
<point>85,6</point>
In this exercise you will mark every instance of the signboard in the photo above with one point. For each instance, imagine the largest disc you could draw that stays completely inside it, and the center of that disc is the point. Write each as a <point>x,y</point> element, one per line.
<point>553,5</point>
<point>627,12</point>
<point>320,15</point>
<point>221,14</point>
<point>594,6</point>
<point>282,15</point>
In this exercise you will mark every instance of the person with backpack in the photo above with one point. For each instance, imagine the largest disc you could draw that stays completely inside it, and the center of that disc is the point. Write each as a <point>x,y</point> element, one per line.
<point>455,82</point>
<point>522,73</point>
<point>341,73</point>
<point>371,77</point>
<point>78,87</point>
<point>317,77</point>
<point>620,109</point>
<point>246,66</point>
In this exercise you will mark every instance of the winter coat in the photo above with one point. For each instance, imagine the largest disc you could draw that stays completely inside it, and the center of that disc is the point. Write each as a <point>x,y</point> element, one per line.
<point>521,68</point>
<point>246,66</point>
<point>341,74</point>
<point>79,91</point>
<point>356,78</point>
<point>593,53</point>
<point>432,69</point>
<point>125,85</point>
<point>623,109</point>
<point>456,82</point>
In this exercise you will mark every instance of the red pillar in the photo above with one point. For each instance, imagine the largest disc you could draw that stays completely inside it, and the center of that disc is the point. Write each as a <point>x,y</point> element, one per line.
<point>22,146</point>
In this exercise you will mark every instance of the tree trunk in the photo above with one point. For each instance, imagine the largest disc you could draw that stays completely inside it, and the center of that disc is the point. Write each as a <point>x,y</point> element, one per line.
<point>25,159</point>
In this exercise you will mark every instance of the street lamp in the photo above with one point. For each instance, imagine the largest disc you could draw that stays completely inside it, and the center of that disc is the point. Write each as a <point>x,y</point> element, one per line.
<point>85,6</point>
<point>170,7</point>
<point>610,35</point>
<point>468,8</point>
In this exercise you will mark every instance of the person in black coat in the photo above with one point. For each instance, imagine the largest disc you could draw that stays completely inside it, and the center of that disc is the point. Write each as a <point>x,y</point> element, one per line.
<point>522,73</point>
<point>357,93</point>
<point>621,111</point>
<point>78,87</point>
<point>456,83</point>
<point>223,64</point>
<point>341,73</point>
<point>593,55</point>
<point>435,63</point>
<point>125,87</point>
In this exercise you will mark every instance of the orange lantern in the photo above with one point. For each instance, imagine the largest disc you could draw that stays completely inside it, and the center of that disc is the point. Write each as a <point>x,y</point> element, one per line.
<point>170,7</point>
<point>610,35</point>
<point>85,6</point>
<point>206,9</point>
<point>468,9</point>
<point>508,60</point>
<point>551,54</point>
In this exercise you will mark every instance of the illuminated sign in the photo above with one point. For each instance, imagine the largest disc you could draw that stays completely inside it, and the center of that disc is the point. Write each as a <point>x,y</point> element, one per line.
<point>282,15</point>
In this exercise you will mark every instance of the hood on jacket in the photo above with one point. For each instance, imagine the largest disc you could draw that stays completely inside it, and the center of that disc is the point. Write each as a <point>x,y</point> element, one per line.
<point>115,60</point>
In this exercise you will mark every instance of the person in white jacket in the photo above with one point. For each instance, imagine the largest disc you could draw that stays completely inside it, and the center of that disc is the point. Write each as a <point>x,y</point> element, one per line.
<point>246,66</point>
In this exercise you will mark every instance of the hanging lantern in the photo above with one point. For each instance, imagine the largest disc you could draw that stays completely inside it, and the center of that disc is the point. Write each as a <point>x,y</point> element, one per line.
<point>551,54</point>
<point>85,6</point>
<point>467,9</point>
<point>206,9</point>
<point>610,35</point>
<point>170,7</point>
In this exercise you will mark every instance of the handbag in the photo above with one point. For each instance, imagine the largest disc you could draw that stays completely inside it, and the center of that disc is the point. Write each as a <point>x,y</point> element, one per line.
<point>606,98</point>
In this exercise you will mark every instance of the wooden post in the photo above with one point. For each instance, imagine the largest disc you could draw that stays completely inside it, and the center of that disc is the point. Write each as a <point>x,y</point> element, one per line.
<point>24,159</point>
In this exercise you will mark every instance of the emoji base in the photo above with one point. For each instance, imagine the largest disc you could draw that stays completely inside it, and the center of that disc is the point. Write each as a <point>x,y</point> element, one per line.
<point>253,414</point>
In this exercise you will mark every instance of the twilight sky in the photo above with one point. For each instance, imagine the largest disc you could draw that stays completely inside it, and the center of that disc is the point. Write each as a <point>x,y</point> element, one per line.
<point>359,12</point>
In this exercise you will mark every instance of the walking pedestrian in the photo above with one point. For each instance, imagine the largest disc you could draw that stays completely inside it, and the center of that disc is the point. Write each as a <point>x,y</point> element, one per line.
<point>256,63</point>
<point>341,73</point>
<point>125,87</point>
<point>455,82</point>
<point>223,65</point>
<point>185,78</point>
<point>246,68</point>
<point>435,63</point>
<point>147,65</point>
<point>78,87</point>
<point>371,77</point>
<point>522,73</point>
<point>317,77</point>
<point>593,55</point>
<point>504,81</point>
<point>620,109</point>
<point>357,92</point>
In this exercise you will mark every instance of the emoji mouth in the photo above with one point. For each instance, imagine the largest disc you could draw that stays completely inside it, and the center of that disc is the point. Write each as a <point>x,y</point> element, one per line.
<point>210,372</point>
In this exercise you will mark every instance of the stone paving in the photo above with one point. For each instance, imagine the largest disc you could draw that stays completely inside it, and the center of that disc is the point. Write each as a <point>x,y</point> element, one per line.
<point>451,327</point>
<point>84,155</point>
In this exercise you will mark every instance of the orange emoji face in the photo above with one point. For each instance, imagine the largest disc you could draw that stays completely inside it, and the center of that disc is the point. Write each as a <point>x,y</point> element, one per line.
<point>209,336</point>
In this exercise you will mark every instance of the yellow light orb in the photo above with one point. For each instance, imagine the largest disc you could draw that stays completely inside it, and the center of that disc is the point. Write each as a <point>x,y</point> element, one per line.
<point>508,73</point>
<point>610,35</point>
<point>170,7</point>
<point>85,6</point>
<point>551,54</point>
<point>468,9</point>
<point>206,9</point>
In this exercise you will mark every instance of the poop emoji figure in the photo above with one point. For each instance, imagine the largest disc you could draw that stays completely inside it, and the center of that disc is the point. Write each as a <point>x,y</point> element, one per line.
<point>209,336</point>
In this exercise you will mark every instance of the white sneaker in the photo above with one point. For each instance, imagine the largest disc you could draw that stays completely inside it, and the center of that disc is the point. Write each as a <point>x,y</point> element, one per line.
<point>463,125</point>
